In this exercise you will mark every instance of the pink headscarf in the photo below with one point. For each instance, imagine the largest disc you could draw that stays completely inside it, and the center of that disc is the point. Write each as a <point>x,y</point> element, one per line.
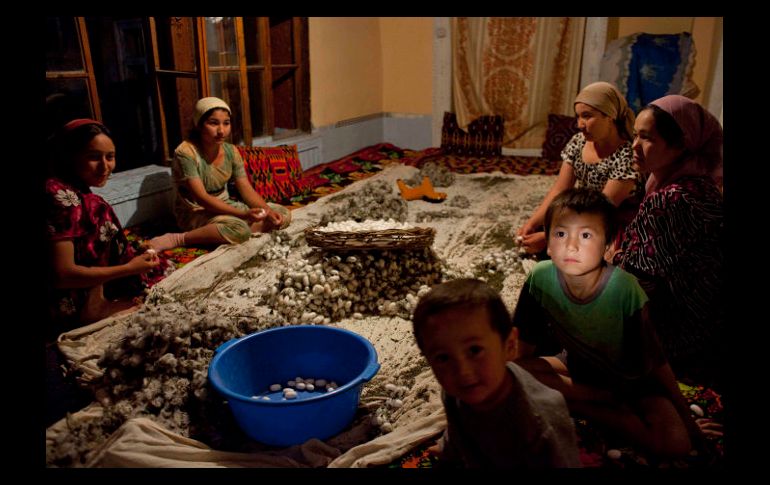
<point>702,140</point>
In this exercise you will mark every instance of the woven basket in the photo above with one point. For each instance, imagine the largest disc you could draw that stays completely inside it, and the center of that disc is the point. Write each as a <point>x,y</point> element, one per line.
<point>418,237</point>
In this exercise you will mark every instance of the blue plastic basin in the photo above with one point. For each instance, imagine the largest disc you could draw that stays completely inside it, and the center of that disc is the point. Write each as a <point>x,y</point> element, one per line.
<point>248,366</point>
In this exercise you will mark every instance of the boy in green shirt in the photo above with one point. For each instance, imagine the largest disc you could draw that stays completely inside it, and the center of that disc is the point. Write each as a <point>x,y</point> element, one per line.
<point>584,331</point>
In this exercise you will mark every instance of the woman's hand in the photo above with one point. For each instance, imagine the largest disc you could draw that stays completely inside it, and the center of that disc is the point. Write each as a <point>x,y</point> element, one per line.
<point>534,243</point>
<point>709,427</point>
<point>275,218</point>
<point>256,214</point>
<point>269,218</point>
<point>528,228</point>
<point>143,262</point>
<point>530,237</point>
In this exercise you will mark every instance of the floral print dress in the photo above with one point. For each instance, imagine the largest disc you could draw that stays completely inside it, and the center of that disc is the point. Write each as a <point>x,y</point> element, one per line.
<point>79,215</point>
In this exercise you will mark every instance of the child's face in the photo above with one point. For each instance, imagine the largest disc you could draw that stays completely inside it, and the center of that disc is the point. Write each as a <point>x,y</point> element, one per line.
<point>577,243</point>
<point>468,357</point>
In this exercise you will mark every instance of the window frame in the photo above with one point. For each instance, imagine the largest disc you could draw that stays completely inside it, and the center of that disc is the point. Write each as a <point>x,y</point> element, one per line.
<point>300,67</point>
<point>87,70</point>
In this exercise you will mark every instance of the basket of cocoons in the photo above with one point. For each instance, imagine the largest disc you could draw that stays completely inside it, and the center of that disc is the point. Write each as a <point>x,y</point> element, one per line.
<point>289,384</point>
<point>378,234</point>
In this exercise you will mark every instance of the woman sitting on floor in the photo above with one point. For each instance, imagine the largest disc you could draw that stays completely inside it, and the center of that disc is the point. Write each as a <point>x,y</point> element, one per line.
<point>674,244</point>
<point>90,256</point>
<point>202,167</point>
<point>598,157</point>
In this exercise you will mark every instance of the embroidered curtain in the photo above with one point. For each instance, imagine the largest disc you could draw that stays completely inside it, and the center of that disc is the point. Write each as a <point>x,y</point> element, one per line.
<point>521,68</point>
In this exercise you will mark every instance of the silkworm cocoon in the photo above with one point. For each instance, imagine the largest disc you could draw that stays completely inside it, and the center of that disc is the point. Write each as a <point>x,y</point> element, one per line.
<point>397,403</point>
<point>320,382</point>
<point>275,387</point>
<point>614,454</point>
<point>291,384</point>
<point>697,410</point>
<point>309,387</point>
<point>265,398</point>
<point>310,381</point>
<point>386,427</point>
<point>221,294</point>
<point>290,395</point>
<point>390,387</point>
<point>301,386</point>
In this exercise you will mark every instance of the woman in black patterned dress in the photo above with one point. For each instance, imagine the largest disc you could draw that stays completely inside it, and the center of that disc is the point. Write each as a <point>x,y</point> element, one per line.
<point>674,244</point>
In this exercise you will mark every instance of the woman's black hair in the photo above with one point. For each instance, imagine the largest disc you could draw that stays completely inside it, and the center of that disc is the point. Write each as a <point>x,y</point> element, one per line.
<point>65,144</point>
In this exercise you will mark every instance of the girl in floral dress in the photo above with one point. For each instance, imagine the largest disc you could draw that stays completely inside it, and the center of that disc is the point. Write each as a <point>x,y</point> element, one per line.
<point>93,267</point>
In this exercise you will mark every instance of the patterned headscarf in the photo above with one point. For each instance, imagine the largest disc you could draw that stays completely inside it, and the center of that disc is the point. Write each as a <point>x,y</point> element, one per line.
<point>702,140</point>
<point>606,98</point>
